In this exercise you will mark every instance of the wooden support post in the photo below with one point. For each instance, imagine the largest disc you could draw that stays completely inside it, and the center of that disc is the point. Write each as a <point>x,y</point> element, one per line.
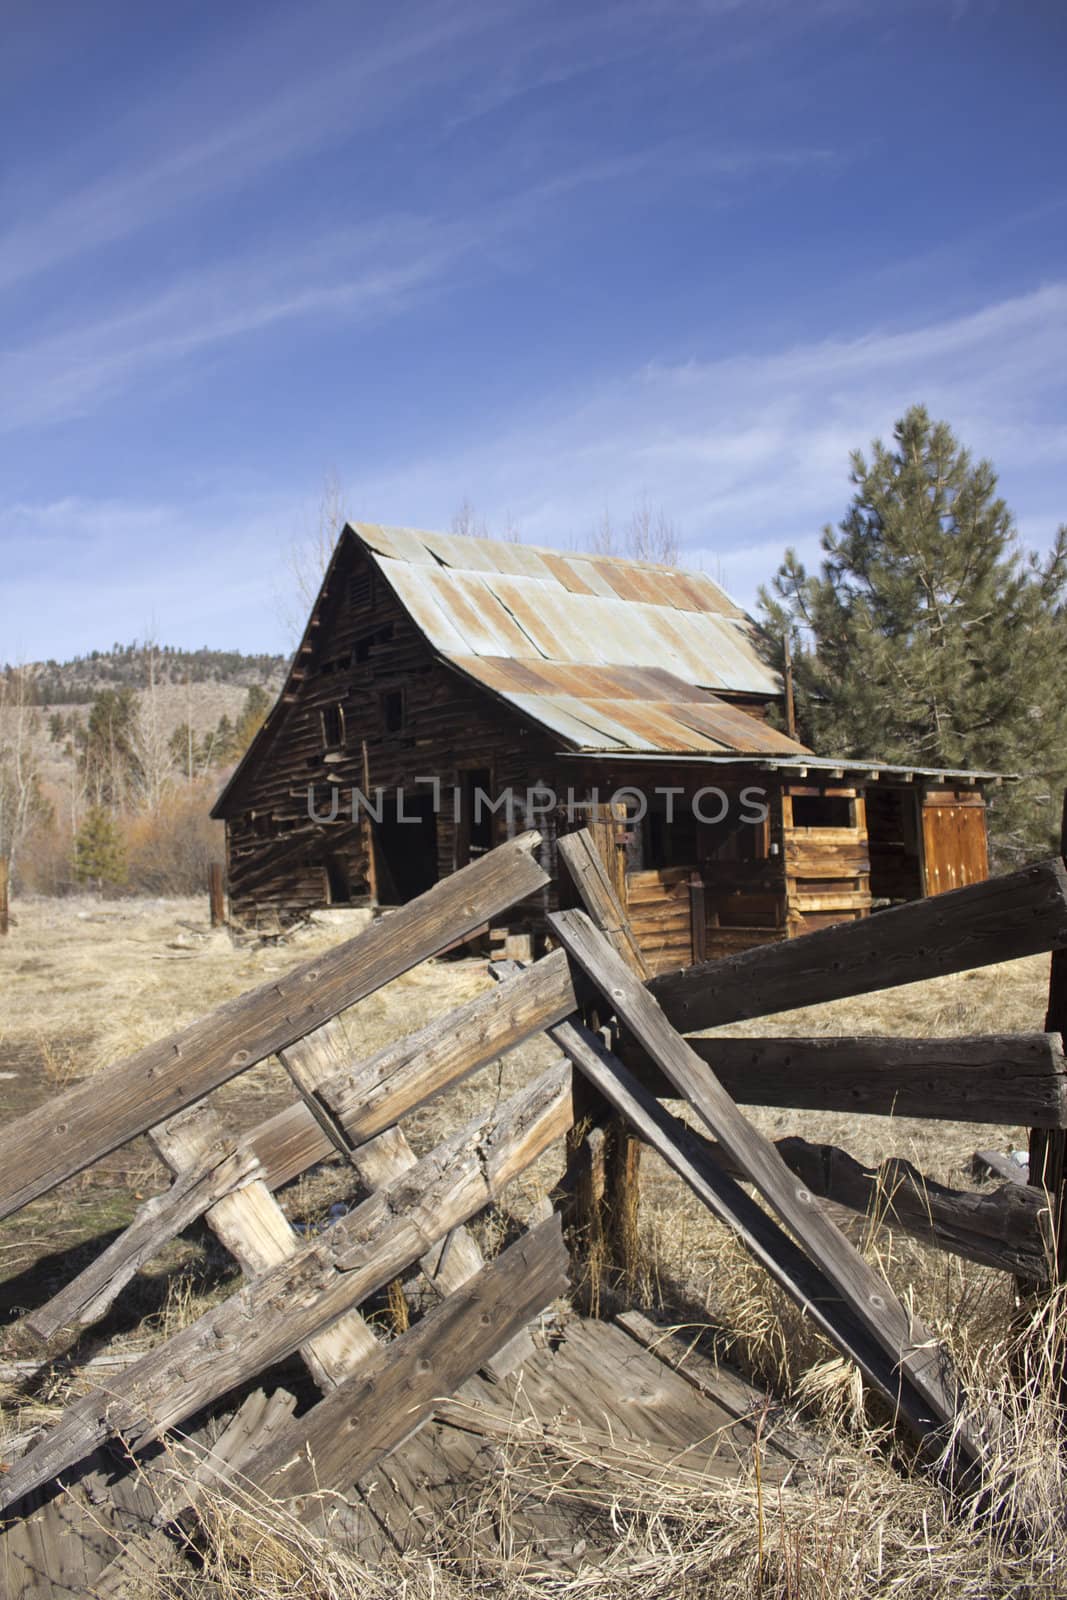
<point>5,879</point>
<point>606,1194</point>
<point>216,877</point>
<point>698,920</point>
<point>1048,1146</point>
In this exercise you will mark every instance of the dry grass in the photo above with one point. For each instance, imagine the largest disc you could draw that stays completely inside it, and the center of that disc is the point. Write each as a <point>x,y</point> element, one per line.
<point>93,981</point>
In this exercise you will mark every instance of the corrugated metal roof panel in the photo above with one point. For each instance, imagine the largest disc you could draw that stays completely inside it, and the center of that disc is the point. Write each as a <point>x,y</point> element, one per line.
<point>624,708</point>
<point>415,592</point>
<point>542,609</point>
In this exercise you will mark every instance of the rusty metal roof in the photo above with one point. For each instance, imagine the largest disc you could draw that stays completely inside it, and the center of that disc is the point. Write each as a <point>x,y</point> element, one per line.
<point>609,654</point>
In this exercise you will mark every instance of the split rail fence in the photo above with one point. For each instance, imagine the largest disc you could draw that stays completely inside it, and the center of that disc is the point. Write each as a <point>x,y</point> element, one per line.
<point>628,1046</point>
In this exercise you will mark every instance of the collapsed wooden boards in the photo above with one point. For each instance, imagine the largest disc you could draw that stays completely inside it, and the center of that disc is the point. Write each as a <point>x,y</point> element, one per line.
<point>396,1390</point>
<point>362,1103</point>
<point>75,1128</point>
<point>903,1339</point>
<point>802,1279</point>
<point>1001,1078</point>
<point>999,920</point>
<point>283,1308</point>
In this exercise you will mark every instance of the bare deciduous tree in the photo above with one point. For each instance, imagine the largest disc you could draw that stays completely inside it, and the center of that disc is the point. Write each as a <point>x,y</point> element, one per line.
<point>309,555</point>
<point>151,739</point>
<point>649,535</point>
<point>21,801</point>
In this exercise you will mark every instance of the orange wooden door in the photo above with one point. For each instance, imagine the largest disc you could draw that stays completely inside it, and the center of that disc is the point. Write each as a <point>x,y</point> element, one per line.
<point>955,850</point>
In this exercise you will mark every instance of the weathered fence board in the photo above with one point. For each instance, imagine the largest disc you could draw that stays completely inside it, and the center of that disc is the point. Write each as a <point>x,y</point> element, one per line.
<point>283,1308</point>
<point>1003,1078</point>
<point>903,1337</point>
<point>795,1272</point>
<point>351,1429</point>
<point>999,920</point>
<point>75,1128</point>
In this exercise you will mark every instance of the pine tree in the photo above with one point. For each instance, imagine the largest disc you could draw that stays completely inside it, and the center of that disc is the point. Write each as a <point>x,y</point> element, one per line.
<point>927,637</point>
<point>99,857</point>
<point>251,719</point>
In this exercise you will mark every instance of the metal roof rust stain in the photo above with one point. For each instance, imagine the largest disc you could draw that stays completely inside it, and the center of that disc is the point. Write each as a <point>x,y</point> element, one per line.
<point>610,654</point>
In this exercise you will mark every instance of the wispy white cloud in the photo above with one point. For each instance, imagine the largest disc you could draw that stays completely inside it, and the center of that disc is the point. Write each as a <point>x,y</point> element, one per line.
<point>749,454</point>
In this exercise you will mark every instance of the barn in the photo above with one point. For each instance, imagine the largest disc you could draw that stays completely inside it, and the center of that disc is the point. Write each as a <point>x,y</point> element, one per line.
<point>449,692</point>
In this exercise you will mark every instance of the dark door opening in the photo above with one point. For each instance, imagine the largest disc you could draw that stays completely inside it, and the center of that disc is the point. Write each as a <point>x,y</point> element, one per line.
<point>894,844</point>
<point>474,821</point>
<point>406,842</point>
<point>338,883</point>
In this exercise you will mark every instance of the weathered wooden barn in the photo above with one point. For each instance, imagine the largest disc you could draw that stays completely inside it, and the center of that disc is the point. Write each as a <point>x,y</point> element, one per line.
<point>449,691</point>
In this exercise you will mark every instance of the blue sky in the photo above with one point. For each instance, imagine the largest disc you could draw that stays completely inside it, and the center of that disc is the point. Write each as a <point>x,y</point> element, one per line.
<point>549,259</point>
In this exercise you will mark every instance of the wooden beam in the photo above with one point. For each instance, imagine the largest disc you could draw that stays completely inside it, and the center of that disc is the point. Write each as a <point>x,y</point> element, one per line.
<point>75,1128</point>
<point>902,1337</point>
<point>217,893</point>
<point>801,1278</point>
<point>345,1435</point>
<point>1048,1149</point>
<point>375,1093</point>
<point>283,1308</point>
<point>590,877</point>
<point>1005,1078</point>
<point>385,1159</point>
<point>1008,1229</point>
<point>998,920</point>
<point>86,1298</point>
<point>257,1233</point>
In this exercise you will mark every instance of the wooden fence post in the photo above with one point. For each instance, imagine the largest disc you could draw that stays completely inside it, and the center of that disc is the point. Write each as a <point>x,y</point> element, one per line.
<point>217,894</point>
<point>604,1154</point>
<point>1048,1146</point>
<point>5,878</point>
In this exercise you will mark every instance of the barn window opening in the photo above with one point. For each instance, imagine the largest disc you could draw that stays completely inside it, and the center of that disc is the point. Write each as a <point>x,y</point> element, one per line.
<point>333,726</point>
<point>393,710</point>
<point>822,811</point>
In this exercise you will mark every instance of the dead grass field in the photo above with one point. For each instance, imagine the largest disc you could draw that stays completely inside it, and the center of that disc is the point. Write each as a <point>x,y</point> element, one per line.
<point>84,982</point>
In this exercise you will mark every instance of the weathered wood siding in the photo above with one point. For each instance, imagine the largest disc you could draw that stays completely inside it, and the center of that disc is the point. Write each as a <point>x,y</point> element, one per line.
<point>281,862</point>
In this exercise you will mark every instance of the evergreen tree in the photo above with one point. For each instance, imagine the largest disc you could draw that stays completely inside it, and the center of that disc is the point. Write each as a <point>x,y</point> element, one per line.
<point>252,717</point>
<point>99,857</point>
<point>109,745</point>
<point>927,637</point>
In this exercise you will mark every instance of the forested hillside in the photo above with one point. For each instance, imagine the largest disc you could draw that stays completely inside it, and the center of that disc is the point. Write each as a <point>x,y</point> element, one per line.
<point>110,762</point>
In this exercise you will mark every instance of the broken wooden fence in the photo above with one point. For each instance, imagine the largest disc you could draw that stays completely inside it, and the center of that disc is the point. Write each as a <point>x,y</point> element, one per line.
<point>305,1294</point>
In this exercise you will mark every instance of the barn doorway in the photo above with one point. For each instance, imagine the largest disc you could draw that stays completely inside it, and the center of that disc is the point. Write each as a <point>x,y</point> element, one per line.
<point>894,842</point>
<point>406,845</point>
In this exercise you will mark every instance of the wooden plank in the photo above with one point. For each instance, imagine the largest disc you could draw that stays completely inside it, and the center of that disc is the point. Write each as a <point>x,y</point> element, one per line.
<point>86,1298</point>
<point>999,1078</point>
<point>385,1158</point>
<point>1008,1230</point>
<point>377,1092</point>
<point>349,1431</point>
<point>1000,920</point>
<point>75,1128</point>
<point>688,1155</point>
<point>903,1338</point>
<point>677,1346</point>
<point>287,1305</point>
<point>1048,1150</point>
<point>698,918</point>
<point>589,874</point>
<point>257,1233</point>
